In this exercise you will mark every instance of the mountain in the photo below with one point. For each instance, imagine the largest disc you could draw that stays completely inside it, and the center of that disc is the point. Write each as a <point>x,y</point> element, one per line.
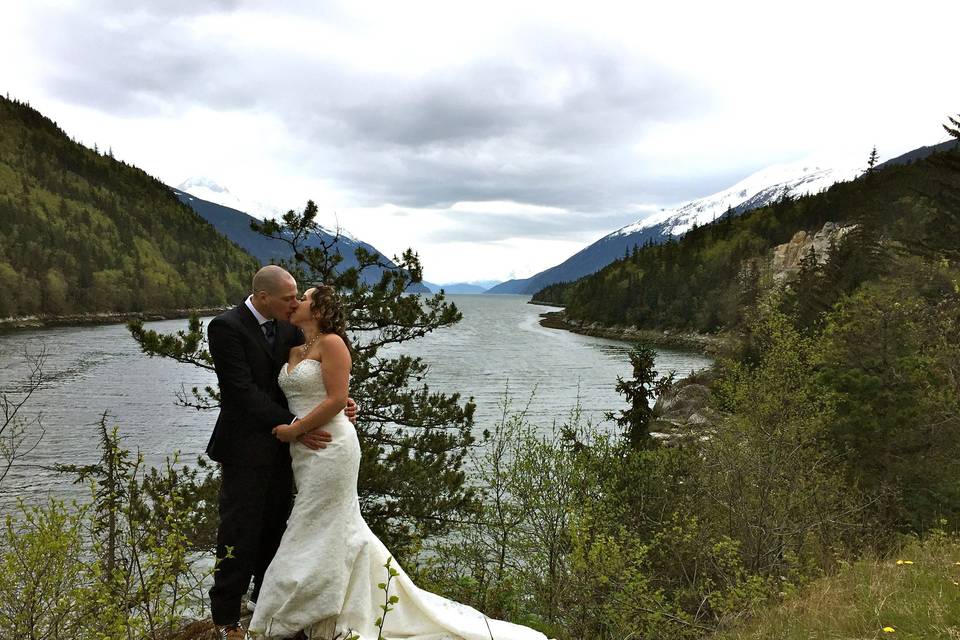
<point>235,225</point>
<point>82,232</point>
<point>763,187</point>
<point>208,189</point>
<point>705,280</point>
<point>920,153</point>
<point>477,286</point>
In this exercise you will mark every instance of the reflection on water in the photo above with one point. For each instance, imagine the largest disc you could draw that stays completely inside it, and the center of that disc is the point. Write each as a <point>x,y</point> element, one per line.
<point>498,347</point>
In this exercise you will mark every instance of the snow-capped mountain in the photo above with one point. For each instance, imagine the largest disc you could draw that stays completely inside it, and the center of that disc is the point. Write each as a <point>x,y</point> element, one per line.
<point>210,191</point>
<point>756,190</point>
<point>235,225</point>
<point>763,187</point>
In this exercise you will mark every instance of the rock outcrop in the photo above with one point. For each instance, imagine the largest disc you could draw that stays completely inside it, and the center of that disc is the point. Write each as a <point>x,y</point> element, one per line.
<point>684,408</point>
<point>786,257</point>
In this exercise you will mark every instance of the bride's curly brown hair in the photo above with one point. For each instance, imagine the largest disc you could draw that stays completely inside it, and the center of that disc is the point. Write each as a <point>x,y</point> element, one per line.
<point>327,309</point>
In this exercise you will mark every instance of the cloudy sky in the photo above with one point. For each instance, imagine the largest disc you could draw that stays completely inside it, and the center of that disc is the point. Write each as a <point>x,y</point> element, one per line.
<point>495,138</point>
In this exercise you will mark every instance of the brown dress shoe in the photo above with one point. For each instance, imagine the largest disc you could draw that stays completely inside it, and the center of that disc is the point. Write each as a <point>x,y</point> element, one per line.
<point>231,632</point>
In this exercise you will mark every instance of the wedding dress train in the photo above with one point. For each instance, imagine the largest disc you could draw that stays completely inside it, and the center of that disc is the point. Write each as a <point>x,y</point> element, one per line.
<point>324,578</point>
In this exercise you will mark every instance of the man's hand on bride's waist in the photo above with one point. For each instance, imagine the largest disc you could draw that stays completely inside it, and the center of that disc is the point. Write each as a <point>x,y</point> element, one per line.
<point>316,439</point>
<point>351,410</point>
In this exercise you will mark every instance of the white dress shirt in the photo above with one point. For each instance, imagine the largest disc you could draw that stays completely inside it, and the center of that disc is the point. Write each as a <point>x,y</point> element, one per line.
<point>261,319</point>
<point>256,314</point>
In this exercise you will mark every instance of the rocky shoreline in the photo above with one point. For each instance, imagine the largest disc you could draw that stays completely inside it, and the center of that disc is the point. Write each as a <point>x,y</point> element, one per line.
<point>544,304</point>
<point>105,317</point>
<point>703,343</point>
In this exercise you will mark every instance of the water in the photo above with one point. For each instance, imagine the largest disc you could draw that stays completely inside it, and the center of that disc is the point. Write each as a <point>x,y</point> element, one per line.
<point>498,346</point>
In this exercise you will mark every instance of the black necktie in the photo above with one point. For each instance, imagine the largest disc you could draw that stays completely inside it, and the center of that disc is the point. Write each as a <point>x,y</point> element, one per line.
<point>270,330</point>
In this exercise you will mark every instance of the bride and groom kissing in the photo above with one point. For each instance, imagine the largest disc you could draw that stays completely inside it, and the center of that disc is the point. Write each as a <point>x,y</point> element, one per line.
<point>283,365</point>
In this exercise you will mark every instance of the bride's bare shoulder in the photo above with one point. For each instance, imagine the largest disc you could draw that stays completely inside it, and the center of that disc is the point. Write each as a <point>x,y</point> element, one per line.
<point>333,353</point>
<point>331,342</point>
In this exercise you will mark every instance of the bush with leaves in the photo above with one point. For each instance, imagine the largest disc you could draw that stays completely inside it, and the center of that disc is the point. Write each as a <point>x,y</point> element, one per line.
<point>770,477</point>
<point>510,561</point>
<point>45,582</point>
<point>890,356</point>
<point>583,536</point>
<point>118,567</point>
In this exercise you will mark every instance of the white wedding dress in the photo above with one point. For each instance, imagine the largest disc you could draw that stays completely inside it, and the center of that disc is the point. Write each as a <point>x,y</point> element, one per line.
<point>324,578</point>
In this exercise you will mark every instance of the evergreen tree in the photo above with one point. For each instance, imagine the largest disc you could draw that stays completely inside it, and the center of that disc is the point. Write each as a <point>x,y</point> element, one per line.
<point>872,159</point>
<point>955,129</point>
<point>940,227</point>
<point>801,299</point>
<point>639,391</point>
<point>413,441</point>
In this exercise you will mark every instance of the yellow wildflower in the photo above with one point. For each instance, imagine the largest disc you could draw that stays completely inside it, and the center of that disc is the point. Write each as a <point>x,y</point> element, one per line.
<point>904,561</point>
<point>889,630</point>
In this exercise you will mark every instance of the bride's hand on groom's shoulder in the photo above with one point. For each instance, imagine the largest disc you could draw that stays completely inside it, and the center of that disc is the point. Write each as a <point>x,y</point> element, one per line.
<point>351,410</point>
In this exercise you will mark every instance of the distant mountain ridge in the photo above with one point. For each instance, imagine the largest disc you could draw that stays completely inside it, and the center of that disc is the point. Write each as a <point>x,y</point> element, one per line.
<point>235,225</point>
<point>211,191</point>
<point>477,286</point>
<point>704,281</point>
<point>920,153</point>
<point>761,188</point>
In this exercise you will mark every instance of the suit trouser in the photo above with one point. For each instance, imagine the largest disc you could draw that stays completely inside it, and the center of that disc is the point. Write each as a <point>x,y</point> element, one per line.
<point>254,506</point>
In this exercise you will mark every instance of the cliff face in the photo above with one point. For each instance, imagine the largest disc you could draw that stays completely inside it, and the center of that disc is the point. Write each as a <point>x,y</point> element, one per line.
<point>786,257</point>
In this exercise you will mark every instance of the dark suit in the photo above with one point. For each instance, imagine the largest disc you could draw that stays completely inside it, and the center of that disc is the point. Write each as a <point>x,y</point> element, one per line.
<point>257,482</point>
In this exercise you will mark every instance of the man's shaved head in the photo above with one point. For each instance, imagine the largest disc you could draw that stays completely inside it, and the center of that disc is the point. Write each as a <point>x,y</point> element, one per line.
<point>272,279</point>
<point>275,292</point>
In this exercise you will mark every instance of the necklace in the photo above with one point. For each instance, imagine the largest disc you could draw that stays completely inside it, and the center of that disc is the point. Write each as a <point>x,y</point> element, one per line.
<point>306,347</point>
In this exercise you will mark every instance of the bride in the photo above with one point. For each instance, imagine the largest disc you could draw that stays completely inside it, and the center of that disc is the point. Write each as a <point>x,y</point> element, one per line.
<point>324,579</point>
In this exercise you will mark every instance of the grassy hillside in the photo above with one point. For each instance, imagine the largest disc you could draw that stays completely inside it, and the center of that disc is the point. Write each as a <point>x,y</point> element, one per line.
<point>80,231</point>
<point>914,594</point>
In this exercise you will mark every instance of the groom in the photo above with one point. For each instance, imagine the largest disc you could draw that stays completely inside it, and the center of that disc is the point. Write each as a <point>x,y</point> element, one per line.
<point>249,345</point>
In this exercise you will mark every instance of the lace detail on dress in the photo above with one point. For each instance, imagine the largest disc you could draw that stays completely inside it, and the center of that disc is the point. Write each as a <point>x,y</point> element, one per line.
<point>300,386</point>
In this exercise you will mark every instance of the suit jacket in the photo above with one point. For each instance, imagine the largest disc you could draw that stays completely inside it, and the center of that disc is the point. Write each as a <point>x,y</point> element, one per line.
<point>251,402</point>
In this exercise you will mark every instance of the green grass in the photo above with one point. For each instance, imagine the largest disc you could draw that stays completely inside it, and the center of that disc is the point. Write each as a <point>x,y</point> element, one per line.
<point>919,600</point>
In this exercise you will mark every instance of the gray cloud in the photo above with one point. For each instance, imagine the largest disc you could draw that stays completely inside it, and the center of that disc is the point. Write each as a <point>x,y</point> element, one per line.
<point>491,227</point>
<point>549,121</point>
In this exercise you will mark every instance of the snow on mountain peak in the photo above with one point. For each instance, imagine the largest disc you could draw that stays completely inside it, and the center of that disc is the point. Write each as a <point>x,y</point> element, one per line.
<point>209,190</point>
<point>199,182</point>
<point>760,188</point>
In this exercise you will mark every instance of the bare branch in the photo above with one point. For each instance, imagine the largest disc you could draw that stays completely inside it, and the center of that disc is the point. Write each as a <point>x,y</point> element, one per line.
<point>19,436</point>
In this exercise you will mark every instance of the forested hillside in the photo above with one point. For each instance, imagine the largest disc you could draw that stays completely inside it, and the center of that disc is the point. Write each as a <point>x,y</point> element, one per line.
<point>706,280</point>
<point>81,231</point>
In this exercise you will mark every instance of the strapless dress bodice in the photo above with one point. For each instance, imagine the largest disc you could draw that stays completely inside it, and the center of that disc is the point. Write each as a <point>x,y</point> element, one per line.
<point>303,385</point>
